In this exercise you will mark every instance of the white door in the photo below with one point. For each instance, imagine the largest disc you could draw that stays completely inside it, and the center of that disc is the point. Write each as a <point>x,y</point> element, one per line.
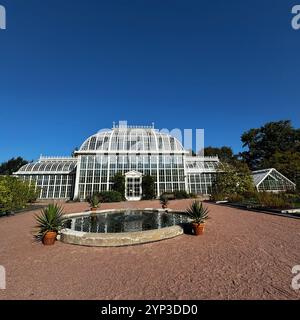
<point>133,186</point>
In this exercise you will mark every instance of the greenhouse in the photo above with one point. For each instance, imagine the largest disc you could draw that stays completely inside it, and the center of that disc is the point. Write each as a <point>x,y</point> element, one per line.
<point>55,177</point>
<point>271,180</point>
<point>134,151</point>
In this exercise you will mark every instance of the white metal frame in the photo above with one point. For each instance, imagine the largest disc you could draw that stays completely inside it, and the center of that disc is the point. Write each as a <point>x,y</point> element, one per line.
<point>125,142</point>
<point>269,173</point>
<point>133,175</point>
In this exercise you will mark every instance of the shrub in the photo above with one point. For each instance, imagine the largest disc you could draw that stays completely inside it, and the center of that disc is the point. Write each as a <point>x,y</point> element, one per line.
<point>110,196</point>
<point>168,195</point>
<point>32,193</point>
<point>119,183</point>
<point>233,180</point>
<point>250,195</point>
<point>148,183</point>
<point>6,198</point>
<point>180,194</point>
<point>218,197</point>
<point>193,195</point>
<point>298,183</point>
<point>236,198</point>
<point>271,200</point>
<point>15,194</point>
<point>291,197</point>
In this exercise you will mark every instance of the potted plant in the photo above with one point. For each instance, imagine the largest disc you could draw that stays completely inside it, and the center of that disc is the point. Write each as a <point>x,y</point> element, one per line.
<point>49,223</point>
<point>94,202</point>
<point>164,201</point>
<point>199,215</point>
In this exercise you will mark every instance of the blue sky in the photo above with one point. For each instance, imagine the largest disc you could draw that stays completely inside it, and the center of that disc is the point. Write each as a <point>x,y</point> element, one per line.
<point>69,68</point>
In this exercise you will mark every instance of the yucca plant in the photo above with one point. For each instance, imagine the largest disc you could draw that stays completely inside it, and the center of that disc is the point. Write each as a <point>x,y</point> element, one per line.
<point>197,212</point>
<point>50,220</point>
<point>94,201</point>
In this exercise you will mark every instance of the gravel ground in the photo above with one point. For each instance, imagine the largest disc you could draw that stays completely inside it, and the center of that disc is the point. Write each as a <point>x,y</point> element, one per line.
<point>243,255</point>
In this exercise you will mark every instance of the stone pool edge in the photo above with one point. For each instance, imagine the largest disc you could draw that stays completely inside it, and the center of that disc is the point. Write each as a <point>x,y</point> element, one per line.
<point>118,239</point>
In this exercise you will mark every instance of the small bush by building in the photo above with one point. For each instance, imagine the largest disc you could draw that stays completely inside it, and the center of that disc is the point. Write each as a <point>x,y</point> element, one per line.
<point>148,187</point>
<point>110,196</point>
<point>181,194</point>
<point>119,183</point>
<point>193,195</point>
<point>168,195</point>
<point>236,198</point>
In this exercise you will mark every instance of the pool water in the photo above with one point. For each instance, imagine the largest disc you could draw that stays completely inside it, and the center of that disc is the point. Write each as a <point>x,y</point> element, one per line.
<point>125,221</point>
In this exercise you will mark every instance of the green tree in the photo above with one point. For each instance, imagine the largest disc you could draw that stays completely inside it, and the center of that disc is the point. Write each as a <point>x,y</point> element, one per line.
<point>148,184</point>
<point>233,180</point>
<point>288,163</point>
<point>264,142</point>
<point>13,165</point>
<point>224,153</point>
<point>119,184</point>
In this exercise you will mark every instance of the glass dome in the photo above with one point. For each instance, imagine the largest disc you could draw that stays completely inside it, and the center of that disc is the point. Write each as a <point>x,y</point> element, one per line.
<point>129,139</point>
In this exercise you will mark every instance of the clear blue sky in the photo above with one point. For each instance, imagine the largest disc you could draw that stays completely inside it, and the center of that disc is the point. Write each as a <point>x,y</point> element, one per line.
<point>69,68</point>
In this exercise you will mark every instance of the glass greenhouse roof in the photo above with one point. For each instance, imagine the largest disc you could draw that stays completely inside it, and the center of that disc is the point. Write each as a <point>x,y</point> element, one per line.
<point>50,165</point>
<point>202,164</point>
<point>137,139</point>
<point>260,175</point>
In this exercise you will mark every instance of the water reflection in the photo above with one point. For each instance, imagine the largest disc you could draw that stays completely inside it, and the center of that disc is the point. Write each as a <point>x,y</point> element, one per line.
<point>127,221</point>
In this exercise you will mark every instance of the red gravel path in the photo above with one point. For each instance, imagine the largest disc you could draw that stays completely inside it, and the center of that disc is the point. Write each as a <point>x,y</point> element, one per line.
<point>243,255</point>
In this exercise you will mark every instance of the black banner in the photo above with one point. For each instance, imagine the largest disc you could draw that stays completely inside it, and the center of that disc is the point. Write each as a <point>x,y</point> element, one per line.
<point>96,310</point>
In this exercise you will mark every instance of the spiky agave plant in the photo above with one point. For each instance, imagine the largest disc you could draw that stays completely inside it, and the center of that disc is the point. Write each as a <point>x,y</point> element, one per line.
<point>94,200</point>
<point>197,212</point>
<point>50,219</point>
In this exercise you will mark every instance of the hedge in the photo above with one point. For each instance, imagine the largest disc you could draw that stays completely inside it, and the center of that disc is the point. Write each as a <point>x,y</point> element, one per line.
<point>15,194</point>
<point>110,196</point>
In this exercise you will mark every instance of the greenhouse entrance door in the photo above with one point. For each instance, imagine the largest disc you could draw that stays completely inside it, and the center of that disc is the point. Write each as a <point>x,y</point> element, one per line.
<point>133,186</point>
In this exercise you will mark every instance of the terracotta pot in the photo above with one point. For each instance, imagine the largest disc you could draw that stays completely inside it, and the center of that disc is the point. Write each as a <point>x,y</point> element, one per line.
<point>49,238</point>
<point>198,228</point>
<point>164,206</point>
<point>94,209</point>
